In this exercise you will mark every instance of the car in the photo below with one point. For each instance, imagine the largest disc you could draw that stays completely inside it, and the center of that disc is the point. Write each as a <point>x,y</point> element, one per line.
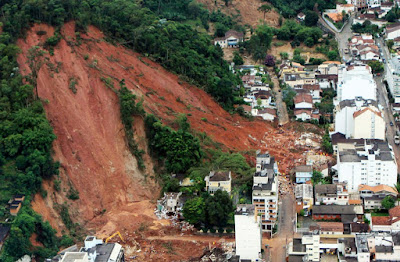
<point>391,123</point>
<point>384,60</point>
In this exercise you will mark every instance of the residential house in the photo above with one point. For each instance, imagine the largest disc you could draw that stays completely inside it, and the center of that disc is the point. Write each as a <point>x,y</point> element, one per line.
<point>265,192</point>
<point>306,114</point>
<point>335,17</point>
<point>329,228</point>
<point>218,180</point>
<point>268,114</point>
<point>373,195</point>
<point>170,202</point>
<point>314,91</point>
<point>358,4</point>
<point>264,97</point>
<point>303,101</point>
<point>231,39</point>
<point>330,194</point>
<point>377,11</point>
<point>15,204</point>
<point>387,6</point>
<point>292,77</point>
<point>301,16</point>
<point>369,162</point>
<point>389,223</point>
<point>369,55</point>
<point>355,81</point>
<point>303,173</point>
<point>361,18</point>
<point>307,247</point>
<point>345,213</point>
<point>347,8</point>
<point>392,31</point>
<point>304,198</point>
<point>327,74</point>
<point>248,234</point>
<point>360,118</point>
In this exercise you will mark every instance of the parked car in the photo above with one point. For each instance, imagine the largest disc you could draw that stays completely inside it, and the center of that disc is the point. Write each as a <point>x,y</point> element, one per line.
<point>391,123</point>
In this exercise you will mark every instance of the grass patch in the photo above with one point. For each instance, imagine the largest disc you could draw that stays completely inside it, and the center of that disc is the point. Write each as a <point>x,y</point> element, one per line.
<point>380,214</point>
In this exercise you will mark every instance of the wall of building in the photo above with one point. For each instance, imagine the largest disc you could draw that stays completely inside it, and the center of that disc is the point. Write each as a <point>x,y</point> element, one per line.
<point>248,236</point>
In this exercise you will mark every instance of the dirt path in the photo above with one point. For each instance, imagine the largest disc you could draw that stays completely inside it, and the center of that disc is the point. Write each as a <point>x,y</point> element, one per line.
<point>280,105</point>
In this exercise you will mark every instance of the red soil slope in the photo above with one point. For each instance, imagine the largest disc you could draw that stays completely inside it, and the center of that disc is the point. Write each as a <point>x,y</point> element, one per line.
<point>114,194</point>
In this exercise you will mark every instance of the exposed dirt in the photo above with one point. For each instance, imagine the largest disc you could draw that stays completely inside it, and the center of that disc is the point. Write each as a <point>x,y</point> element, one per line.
<point>307,52</point>
<point>114,193</point>
<point>249,15</point>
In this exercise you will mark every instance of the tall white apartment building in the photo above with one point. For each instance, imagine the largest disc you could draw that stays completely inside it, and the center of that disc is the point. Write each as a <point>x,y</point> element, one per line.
<point>248,235</point>
<point>369,162</point>
<point>360,118</point>
<point>355,81</point>
<point>393,77</point>
<point>265,191</point>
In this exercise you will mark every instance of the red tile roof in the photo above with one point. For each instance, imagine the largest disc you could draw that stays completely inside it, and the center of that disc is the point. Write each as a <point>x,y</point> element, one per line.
<point>381,221</point>
<point>303,97</point>
<point>395,212</point>
<point>356,114</point>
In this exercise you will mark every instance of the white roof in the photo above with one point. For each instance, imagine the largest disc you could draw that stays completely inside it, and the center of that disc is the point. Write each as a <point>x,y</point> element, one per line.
<point>356,82</point>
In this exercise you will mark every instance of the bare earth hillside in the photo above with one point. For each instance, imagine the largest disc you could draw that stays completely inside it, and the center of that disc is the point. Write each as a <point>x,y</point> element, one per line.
<point>113,193</point>
<point>249,15</point>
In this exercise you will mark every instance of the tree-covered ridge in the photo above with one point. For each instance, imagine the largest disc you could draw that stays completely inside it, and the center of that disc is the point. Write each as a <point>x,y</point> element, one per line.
<point>175,45</point>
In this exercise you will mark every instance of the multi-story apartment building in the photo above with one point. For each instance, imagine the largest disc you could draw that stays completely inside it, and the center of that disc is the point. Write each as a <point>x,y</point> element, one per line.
<point>393,77</point>
<point>368,162</point>
<point>360,118</point>
<point>248,235</point>
<point>265,191</point>
<point>355,81</point>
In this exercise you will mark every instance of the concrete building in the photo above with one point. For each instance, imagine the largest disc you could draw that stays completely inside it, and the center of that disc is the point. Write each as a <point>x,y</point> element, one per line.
<point>304,198</point>
<point>231,39</point>
<point>307,247</point>
<point>248,235</point>
<point>360,118</point>
<point>265,191</point>
<point>393,77</point>
<point>218,180</point>
<point>331,194</point>
<point>303,173</point>
<point>75,257</point>
<point>392,32</point>
<point>373,195</point>
<point>363,254</point>
<point>389,223</point>
<point>355,81</point>
<point>368,162</point>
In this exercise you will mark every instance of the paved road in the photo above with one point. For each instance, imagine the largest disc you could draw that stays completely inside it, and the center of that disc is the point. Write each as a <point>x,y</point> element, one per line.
<point>281,110</point>
<point>286,224</point>
<point>384,101</point>
<point>343,38</point>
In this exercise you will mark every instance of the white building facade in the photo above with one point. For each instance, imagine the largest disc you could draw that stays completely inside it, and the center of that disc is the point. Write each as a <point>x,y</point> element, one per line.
<point>248,235</point>
<point>370,162</point>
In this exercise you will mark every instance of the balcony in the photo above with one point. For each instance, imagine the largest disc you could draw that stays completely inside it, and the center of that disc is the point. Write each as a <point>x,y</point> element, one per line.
<point>272,208</point>
<point>258,202</point>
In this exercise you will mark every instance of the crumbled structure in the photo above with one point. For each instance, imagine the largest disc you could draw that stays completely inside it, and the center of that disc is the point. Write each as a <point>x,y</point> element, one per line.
<point>170,205</point>
<point>265,191</point>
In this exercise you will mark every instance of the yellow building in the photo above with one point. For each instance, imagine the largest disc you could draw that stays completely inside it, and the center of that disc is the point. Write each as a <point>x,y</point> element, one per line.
<point>218,180</point>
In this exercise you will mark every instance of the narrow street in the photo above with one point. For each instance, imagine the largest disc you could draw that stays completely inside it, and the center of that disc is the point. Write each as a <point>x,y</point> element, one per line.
<point>281,110</point>
<point>286,224</point>
<point>342,39</point>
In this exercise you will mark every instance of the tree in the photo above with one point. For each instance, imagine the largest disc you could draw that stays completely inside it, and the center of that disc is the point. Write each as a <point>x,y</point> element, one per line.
<point>269,60</point>
<point>333,55</point>
<point>391,16</point>
<point>311,18</point>
<point>237,59</point>
<point>316,177</point>
<point>218,209</point>
<point>390,43</point>
<point>388,202</point>
<point>326,143</point>
<point>35,61</point>
<point>309,42</point>
<point>284,55</point>
<point>265,9</point>
<point>376,66</point>
<point>194,210</point>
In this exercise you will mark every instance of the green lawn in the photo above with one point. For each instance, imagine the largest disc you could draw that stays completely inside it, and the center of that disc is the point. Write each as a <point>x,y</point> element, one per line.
<point>380,214</point>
